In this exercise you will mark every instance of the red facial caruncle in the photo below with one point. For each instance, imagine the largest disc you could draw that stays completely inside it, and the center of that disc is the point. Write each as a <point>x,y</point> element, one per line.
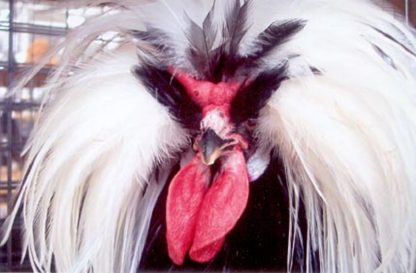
<point>203,205</point>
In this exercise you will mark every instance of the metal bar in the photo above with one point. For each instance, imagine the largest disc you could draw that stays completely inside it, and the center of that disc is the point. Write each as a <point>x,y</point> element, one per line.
<point>406,11</point>
<point>33,29</point>
<point>15,146</point>
<point>18,105</point>
<point>9,127</point>
<point>15,185</point>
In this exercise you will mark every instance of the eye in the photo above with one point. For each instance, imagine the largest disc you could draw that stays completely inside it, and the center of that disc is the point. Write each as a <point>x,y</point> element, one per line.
<point>168,91</point>
<point>246,128</point>
<point>252,97</point>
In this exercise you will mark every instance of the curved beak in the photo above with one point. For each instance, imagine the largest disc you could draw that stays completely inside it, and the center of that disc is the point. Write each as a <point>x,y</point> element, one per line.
<point>211,146</point>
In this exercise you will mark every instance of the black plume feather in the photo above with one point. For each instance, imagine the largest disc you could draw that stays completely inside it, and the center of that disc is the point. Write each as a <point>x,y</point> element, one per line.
<point>201,44</point>
<point>273,36</point>
<point>235,26</point>
<point>215,64</point>
<point>169,92</point>
<point>252,97</point>
<point>209,29</point>
<point>226,58</point>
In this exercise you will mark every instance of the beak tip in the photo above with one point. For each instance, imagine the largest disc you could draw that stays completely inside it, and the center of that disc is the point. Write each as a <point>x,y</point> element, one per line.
<point>210,147</point>
<point>208,160</point>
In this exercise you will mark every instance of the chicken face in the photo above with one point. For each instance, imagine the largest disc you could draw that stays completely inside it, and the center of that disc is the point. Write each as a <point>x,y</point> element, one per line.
<point>204,203</point>
<point>208,195</point>
<point>217,96</point>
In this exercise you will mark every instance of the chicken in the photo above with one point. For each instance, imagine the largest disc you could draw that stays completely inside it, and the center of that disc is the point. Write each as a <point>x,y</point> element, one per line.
<point>272,135</point>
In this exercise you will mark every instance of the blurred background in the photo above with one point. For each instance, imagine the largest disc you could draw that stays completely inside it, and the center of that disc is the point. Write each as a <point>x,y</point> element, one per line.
<point>28,30</point>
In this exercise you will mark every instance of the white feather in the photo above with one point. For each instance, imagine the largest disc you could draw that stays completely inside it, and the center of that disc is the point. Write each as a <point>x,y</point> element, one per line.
<point>348,138</point>
<point>91,157</point>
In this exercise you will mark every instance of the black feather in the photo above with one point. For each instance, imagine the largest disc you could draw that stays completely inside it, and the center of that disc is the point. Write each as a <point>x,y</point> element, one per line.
<point>169,92</point>
<point>394,40</point>
<point>224,65</point>
<point>235,26</point>
<point>227,59</point>
<point>217,64</point>
<point>209,28</point>
<point>273,36</point>
<point>315,70</point>
<point>384,56</point>
<point>252,97</point>
<point>201,41</point>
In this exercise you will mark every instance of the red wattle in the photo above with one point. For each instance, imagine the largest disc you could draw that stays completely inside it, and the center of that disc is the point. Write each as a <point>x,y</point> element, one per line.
<point>223,205</point>
<point>186,192</point>
<point>198,218</point>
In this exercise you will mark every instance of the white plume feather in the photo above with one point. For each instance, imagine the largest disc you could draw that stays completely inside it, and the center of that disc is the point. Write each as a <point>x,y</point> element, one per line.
<point>347,137</point>
<point>90,159</point>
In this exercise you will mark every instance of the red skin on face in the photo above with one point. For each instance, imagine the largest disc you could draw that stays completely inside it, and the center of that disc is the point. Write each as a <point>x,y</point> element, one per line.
<point>208,94</point>
<point>199,216</point>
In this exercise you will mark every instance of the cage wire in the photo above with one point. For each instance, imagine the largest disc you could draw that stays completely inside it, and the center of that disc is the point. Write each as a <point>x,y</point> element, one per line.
<point>28,29</point>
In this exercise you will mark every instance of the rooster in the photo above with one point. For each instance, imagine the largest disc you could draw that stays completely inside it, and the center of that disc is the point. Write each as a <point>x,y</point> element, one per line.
<point>226,135</point>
